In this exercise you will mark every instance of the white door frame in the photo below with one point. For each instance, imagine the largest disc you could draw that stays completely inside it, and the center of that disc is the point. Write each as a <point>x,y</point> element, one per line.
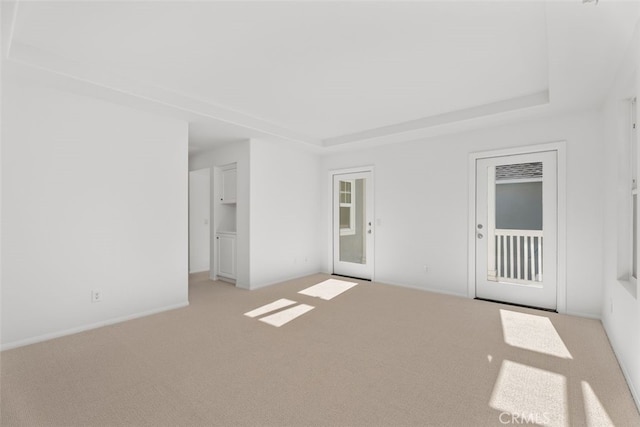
<point>560,148</point>
<point>330,212</point>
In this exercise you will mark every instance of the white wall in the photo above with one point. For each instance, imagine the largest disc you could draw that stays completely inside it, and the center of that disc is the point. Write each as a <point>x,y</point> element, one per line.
<point>278,212</point>
<point>285,212</point>
<point>199,207</point>
<point>421,202</point>
<point>94,197</point>
<point>621,301</point>
<point>231,153</point>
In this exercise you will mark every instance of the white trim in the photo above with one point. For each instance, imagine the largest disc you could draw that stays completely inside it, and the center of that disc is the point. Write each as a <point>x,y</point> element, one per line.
<point>11,30</point>
<point>355,169</point>
<point>36,58</point>
<point>561,174</point>
<point>331,174</point>
<point>560,148</point>
<point>71,331</point>
<point>634,394</point>
<point>633,169</point>
<point>414,129</point>
<point>490,225</point>
<point>633,258</point>
<point>517,181</point>
<point>438,291</point>
<point>286,279</point>
<point>595,316</point>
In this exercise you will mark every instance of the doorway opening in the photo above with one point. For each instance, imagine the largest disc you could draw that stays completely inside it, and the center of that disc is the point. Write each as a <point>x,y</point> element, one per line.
<point>199,218</point>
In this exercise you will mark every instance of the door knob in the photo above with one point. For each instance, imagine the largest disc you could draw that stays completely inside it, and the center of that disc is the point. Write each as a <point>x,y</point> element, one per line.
<point>480,236</point>
<point>369,231</point>
<point>479,226</point>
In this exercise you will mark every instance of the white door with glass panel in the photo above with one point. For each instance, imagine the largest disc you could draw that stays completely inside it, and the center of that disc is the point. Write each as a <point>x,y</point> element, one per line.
<point>516,229</point>
<point>353,225</point>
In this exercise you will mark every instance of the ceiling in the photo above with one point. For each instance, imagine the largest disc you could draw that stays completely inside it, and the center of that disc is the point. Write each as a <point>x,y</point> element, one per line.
<point>329,74</point>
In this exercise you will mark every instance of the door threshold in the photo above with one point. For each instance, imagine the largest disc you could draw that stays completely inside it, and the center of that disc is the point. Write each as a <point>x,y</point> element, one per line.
<point>350,277</point>
<point>550,310</point>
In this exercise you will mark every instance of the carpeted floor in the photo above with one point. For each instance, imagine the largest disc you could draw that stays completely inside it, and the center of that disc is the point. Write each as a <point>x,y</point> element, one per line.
<point>376,355</point>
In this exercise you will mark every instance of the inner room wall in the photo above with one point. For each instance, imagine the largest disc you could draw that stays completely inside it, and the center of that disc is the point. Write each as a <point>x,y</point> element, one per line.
<point>285,213</point>
<point>421,204</point>
<point>621,297</point>
<point>95,198</point>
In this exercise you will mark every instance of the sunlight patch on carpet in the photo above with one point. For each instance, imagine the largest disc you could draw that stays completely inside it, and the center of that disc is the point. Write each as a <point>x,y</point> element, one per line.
<point>285,316</point>
<point>328,289</point>
<point>532,332</point>
<point>530,395</point>
<point>594,411</point>
<point>276,305</point>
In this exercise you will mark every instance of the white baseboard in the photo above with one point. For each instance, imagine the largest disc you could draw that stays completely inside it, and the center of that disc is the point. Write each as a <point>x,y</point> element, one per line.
<point>298,276</point>
<point>424,288</point>
<point>71,331</point>
<point>198,272</point>
<point>420,288</point>
<point>587,315</point>
<point>634,393</point>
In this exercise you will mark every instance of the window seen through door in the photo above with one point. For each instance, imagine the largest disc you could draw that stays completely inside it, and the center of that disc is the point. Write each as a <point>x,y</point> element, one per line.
<point>347,210</point>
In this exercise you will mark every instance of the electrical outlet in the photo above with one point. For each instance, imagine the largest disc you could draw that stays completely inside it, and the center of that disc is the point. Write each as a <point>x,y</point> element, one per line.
<point>96,296</point>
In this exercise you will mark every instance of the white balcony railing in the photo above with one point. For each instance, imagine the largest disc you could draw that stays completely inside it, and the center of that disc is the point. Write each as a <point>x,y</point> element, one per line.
<point>518,255</point>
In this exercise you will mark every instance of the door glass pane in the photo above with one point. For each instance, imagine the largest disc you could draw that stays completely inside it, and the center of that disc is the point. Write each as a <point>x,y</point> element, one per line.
<point>352,221</point>
<point>345,218</point>
<point>518,223</point>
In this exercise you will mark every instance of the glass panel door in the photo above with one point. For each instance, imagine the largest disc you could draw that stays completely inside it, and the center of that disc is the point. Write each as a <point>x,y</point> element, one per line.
<point>516,223</point>
<point>353,227</point>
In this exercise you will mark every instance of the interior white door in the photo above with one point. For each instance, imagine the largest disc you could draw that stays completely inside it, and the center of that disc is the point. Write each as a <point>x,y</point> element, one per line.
<point>516,229</point>
<point>353,242</point>
<point>226,255</point>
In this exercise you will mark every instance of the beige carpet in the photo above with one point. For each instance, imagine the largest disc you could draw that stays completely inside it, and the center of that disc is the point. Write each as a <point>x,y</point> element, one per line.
<point>375,355</point>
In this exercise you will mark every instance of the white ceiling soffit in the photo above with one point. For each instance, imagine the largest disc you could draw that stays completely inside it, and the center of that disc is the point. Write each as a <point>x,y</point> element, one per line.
<point>333,73</point>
